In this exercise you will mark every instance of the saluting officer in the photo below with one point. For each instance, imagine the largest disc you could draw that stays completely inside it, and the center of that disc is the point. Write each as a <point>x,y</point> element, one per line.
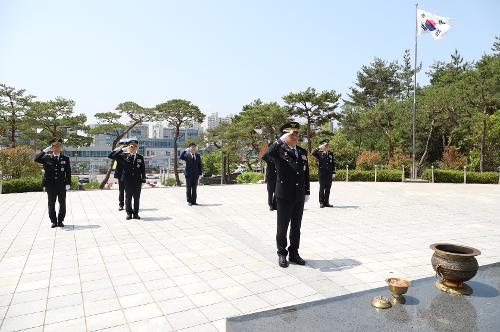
<point>271,182</point>
<point>193,171</point>
<point>118,176</point>
<point>326,171</point>
<point>292,190</point>
<point>56,179</point>
<point>133,176</point>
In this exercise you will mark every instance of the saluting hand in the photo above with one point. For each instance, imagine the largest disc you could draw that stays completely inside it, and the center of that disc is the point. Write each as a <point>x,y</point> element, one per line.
<point>68,187</point>
<point>117,149</point>
<point>284,137</point>
<point>47,149</point>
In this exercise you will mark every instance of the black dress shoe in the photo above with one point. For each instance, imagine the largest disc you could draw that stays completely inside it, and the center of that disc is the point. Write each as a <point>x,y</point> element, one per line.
<point>328,205</point>
<point>129,216</point>
<point>282,261</point>
<point>60,224</point>
<point>136,216</point>
<point>322,205</point>
<point>120,208</point>
<point>295,258</point>
<point>54,225</point>
<point>189,203</point>
<point>195,203</point>
<point>271,208</point>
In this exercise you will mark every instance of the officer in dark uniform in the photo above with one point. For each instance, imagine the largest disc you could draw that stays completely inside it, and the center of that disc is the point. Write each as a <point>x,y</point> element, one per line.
<point>193,171</point>
<point>326,171</point>
<point>56,179</point>
<point>133,176</point>
<point>292,190</point>
<point>118,176</point>
<point>271,182</point>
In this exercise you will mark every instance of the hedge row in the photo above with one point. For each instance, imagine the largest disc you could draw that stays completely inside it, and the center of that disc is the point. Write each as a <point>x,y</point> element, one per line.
<point>385,175</point>
<point>249,177</point>
<point>452,176</point>
<point>31,184</point>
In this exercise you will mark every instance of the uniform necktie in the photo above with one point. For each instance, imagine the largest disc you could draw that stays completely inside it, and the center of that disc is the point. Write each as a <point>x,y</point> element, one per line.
<point>295,152</point>
<point>192,155</point>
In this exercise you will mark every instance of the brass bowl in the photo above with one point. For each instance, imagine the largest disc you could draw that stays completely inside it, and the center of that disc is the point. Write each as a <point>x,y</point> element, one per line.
<point>455,264</point>
<point>398,289</point>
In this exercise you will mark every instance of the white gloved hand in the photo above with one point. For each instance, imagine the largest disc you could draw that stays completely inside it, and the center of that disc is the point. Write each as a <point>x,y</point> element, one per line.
<point>306,198</point>
<point>187,150</point>
<point>284,137</point>
<point>47,149</point>
<point>333,176</point>
<point>67,187</point>
<point>117,149</point>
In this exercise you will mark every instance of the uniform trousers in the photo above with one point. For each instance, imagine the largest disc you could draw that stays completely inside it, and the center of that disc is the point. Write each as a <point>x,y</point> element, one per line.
<point>56,193</point>
<point>289,212</point>
<point>325,184</point>
<point>132,190</point>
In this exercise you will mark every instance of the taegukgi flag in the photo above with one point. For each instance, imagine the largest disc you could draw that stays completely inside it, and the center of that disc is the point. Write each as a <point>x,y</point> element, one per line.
<point>436,25</point>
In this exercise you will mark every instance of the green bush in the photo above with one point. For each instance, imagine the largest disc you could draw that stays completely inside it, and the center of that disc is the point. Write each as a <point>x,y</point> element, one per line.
<point>22,185</point>
<point>453,176</point>
<point>485,177</point>
<point>74,182</point>
<point>169,182</point>
<point>313,175</point>
<point>385,175</point>
<point>249,177</point>
<point>389,175</point>
<point>91,185</point>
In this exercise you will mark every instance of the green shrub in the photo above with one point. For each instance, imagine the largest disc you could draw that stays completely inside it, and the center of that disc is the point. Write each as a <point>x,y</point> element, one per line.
<point>340,175</point>
<point>385,175</point>
<point>22,185</point>
<point>74,182</point>
<point>249,177</point>
<point>169,182</point>
<point>389,175</point>
<point>313,175</point>
<point>453,176</point>
<point>485,177</point>
<point>91,185</point>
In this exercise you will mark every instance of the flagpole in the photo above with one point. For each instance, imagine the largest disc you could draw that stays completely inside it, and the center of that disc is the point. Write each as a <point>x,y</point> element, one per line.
<point>414,170</point>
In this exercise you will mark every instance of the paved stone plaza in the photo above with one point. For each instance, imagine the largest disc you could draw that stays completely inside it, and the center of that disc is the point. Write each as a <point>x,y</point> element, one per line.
<point>187,268</point>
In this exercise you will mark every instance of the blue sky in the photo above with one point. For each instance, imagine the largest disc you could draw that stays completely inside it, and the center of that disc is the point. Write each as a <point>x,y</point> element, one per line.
<point>218,54</point>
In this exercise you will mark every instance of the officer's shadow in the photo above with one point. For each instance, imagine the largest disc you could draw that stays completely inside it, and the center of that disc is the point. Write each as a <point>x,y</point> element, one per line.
<point>154,219</point>
<point>79,227</point>
<point>345,207</point>
<point>332,265</point>
<point>209,204</point>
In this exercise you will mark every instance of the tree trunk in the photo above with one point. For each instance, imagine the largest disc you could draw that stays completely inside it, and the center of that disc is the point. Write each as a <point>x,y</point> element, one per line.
<point>13,129</point>
<point>483,145</point>
<point>309,143</point>
<point>110,168</point>
<point>390,148</point>
<point>424,155</point>
<point>176,170</point>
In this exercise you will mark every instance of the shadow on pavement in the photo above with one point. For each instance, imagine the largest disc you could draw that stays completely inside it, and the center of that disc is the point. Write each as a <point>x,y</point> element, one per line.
<point>154,219</point>
<point>79,227</point>
<point>333,264</point>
